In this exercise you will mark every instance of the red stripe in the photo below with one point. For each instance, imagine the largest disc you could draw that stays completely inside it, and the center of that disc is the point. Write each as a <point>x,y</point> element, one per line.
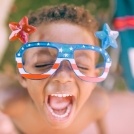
<point>19,65</point>
<point>55,66</point>
<point>35,76</point>
<point>74,66</point>
<point>123,23</point>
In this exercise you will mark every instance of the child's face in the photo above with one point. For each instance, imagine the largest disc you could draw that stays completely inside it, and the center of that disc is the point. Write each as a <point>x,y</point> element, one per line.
<point>60,111</point>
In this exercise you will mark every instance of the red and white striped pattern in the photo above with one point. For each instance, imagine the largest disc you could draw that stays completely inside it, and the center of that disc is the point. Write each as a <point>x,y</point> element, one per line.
<point>55,67</point>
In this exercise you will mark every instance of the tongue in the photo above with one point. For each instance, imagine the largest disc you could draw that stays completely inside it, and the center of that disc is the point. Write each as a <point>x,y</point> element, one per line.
<point>59,103</point>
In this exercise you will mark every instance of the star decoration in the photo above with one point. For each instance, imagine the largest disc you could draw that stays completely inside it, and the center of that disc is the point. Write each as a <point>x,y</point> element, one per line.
<point>108,37</point>
<point>83,46</point>
<point>71,48</point>
<point>21,30</point>
<point>60,50</point>
<point>66,55</point>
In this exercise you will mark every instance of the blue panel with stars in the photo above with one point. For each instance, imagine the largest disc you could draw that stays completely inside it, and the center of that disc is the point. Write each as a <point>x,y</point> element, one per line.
<point>64,50</point>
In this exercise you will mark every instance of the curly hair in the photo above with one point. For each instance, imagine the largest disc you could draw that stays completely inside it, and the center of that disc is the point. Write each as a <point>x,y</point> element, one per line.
<point>69,13</point>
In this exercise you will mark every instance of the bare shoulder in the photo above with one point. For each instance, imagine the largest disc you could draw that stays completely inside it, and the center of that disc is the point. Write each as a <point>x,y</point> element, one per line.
<point>11,93</point>
<point>98,102</point>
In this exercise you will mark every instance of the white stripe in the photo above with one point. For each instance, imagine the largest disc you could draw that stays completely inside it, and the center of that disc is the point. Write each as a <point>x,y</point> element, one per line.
<point>61,59</point>
<point>108,65</point>
<point>50,71</point>
<point>78,73</point>
<point>22,71</point>
<point>19,60</point>
<point>131,60</point>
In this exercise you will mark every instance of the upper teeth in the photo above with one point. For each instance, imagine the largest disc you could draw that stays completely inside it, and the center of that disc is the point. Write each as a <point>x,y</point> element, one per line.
<point>61,95</point>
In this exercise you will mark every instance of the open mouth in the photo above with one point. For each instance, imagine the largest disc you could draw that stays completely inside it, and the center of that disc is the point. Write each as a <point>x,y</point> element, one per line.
<point>60,105</point>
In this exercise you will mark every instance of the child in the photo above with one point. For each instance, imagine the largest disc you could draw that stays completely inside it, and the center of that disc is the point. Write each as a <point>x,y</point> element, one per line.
<point>16,104</point>
<point>59,67</point>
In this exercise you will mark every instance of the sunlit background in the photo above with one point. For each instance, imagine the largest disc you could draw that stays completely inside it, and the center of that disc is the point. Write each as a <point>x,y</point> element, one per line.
<point>119,14</point>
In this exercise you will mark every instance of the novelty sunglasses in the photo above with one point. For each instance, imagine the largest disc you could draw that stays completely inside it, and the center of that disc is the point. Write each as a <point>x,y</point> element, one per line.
<point>39,60</point>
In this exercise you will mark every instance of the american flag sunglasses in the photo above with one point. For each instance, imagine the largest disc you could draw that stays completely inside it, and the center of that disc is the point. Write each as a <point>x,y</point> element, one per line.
<point>64,52</point>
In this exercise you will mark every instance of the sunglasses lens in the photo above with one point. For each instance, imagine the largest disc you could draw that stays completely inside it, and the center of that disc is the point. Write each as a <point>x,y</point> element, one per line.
<point>38,60</point>
<point>90,63</point>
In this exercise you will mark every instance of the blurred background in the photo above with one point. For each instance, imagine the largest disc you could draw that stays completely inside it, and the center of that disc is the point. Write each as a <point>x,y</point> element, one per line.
<point>119,14</point>
<point>17,9</point>
<point>14,10</point>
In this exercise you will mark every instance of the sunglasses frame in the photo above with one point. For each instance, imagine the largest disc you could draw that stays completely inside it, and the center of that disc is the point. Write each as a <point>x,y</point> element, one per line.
<point>65,52</point>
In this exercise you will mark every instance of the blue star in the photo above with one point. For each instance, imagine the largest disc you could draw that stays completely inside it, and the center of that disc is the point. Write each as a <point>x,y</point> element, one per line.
<point>107,36</point>
<point>60,50</point>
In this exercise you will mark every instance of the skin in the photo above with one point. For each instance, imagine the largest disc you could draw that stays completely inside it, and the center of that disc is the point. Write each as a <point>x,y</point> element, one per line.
<point>86,108</point>
<point>64,80</point>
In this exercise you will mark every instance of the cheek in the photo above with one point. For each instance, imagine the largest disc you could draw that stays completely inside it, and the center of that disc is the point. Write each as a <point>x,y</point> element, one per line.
<point>85,90</point>
<point>35,89</point>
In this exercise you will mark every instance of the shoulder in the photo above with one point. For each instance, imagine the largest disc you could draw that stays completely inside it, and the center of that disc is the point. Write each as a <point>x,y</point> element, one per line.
<point>98,103</point>
<point>12,94</point>
<point>6,126</point>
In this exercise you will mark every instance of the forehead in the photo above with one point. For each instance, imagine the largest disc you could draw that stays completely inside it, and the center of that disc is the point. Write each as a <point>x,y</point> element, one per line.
<point>63,32</point>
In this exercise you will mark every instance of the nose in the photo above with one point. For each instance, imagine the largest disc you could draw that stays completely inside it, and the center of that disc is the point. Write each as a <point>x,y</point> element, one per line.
<point>64,73</point>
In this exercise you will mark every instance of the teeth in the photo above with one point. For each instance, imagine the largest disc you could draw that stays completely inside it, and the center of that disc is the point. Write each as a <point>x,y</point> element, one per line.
<point>67,110</point>
<point>60,116</point>
<point>61,95</point>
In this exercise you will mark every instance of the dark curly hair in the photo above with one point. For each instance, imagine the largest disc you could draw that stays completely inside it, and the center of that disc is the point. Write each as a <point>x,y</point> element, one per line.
<point>69,13</point>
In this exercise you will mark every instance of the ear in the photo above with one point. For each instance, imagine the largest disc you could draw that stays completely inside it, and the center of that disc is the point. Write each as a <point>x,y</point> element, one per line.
<point>22,80</point>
